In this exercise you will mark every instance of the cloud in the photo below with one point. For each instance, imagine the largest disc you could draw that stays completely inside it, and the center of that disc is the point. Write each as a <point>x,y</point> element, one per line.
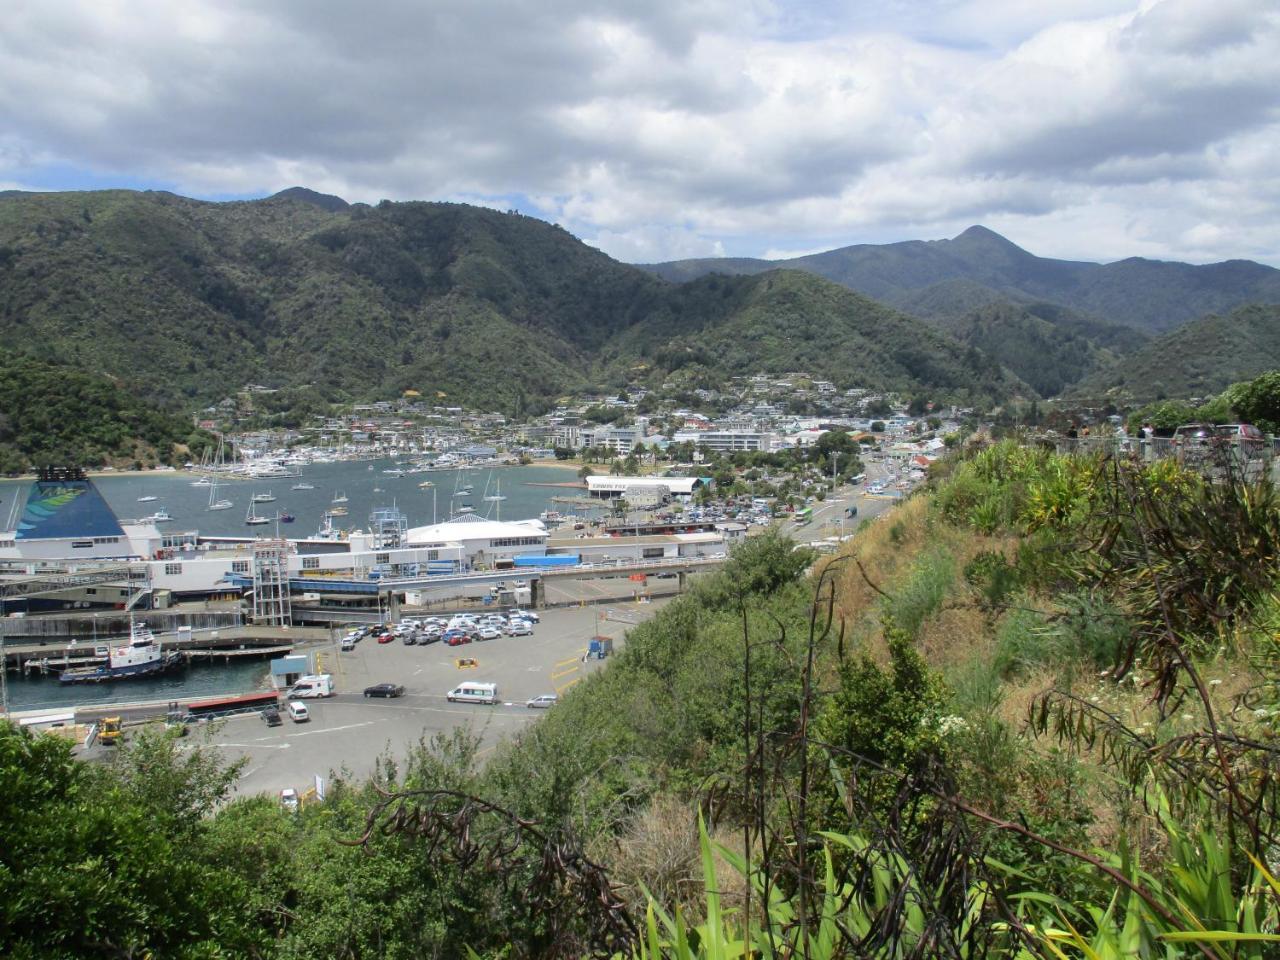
<point>683,127</point>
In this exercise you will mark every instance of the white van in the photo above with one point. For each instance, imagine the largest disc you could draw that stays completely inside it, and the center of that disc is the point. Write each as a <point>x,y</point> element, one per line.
<point>298,712</point>
<point>474,693</point>
<point>316,685</point>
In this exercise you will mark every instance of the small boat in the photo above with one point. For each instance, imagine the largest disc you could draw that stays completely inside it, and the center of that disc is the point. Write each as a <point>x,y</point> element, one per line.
<point>426,483</point>
<point>202,482</point>
<point>286,517</point>
<point>215,503</point>
<point>341,497</point>
<point>336,512</point>
<point>303,486</point>
<point>160,516</point>
<point>377,489</point>
<point>253,520</point>
<point>142,656</point>
<point>148,499</point>
<point>267,497</point>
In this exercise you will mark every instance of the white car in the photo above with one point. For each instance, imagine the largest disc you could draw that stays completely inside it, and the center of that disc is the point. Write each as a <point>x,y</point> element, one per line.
<point>488,633</point>
<point>289,799</point>
<point>526,615</point>
<point>543,701</point>
<point>519,628</point>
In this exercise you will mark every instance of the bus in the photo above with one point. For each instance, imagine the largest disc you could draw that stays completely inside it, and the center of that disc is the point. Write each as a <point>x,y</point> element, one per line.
<point>803,516</point>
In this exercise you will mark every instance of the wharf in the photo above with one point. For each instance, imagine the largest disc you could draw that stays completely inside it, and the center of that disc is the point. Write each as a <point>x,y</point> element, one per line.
<point>247,641</point>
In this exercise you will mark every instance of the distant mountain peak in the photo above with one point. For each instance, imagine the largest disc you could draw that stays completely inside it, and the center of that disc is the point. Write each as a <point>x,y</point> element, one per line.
<point>979,232</point>
<point>325,201</point>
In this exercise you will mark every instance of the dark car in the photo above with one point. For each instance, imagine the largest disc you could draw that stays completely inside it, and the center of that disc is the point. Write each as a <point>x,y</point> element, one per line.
<point>385,690</point>
<point>271,716</point>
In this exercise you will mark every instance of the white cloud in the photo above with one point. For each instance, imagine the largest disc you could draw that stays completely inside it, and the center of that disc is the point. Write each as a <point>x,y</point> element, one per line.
<point>1083,127</point>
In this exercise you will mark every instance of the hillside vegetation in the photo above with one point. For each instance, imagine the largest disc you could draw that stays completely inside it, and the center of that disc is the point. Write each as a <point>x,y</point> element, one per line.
<point>51,413</point>
<point>185,301</point>
<point>1049,347</point>
<point>1199,359</point>
<point>1030,713</point>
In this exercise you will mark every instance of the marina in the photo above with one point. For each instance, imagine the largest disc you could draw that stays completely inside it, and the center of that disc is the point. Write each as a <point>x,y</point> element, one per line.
<point>219,508</point>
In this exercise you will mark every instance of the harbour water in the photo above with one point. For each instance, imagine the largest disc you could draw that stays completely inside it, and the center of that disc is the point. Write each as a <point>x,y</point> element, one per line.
<point>365,489</point>
<point>201,680</point>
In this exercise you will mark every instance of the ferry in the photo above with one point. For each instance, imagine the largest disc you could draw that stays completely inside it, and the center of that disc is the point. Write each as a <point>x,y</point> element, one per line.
<point>141,657</point>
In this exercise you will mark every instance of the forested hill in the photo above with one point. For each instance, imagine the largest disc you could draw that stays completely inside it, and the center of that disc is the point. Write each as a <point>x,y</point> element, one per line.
<point>1150,295</point>
<point>188,300</point>
<point>1199,359</point>
<point>53,414</point>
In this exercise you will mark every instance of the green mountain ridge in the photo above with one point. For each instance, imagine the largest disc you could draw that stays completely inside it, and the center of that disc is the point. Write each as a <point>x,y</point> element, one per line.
<point>188,300</point>
<point>1151,295</point>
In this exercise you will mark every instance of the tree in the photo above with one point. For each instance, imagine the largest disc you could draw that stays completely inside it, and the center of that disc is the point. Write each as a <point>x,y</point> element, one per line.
<point>562,453</point>
<point>584,471</point>
<point>877,426</point>
<point>1258,401</point>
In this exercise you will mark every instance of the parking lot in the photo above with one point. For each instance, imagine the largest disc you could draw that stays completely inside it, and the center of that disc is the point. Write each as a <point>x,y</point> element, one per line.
<point>348,732</point>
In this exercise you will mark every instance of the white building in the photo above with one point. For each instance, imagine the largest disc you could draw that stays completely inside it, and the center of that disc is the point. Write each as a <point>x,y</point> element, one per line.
<point>483,542</point>
<point>727,441</point>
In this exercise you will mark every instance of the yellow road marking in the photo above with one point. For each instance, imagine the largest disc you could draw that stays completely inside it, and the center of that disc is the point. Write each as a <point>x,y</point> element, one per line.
<point>563,673</point>
<point>561,689</point>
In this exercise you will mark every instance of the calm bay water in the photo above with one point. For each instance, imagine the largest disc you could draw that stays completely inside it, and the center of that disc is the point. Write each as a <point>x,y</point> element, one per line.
<point>366,489</point>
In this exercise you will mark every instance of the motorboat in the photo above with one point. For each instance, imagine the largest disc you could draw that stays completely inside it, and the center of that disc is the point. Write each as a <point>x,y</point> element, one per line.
<point>267,497</point>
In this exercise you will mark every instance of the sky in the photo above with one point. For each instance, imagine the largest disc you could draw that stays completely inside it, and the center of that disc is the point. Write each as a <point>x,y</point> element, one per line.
<point>663,129</point>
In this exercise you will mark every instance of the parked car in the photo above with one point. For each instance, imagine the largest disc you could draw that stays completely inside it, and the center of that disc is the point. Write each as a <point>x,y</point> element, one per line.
<point>385,690</point>
<point>410,639</point>
<point>271,717</point>
<point>289,799</point>
<point>519,628</point>
<point>543,701</point>
<point>525,615</point>
<point>386,637</point>
<point>455,638</point>
<point>488,633</point>
<point>348,643</point>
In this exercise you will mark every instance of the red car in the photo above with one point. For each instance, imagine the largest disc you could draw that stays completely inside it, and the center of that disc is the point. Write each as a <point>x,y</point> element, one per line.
<point>456,638</point>
<point>386,637</point>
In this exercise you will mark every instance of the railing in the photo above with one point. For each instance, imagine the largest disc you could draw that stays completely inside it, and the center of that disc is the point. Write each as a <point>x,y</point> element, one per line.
<point>1240,456</point>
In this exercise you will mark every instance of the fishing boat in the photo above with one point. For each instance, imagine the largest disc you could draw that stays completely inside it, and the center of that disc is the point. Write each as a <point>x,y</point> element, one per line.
<point>160,516</point>
<point>253,520</point>
<point>142,656</point>
<point>267,497</point>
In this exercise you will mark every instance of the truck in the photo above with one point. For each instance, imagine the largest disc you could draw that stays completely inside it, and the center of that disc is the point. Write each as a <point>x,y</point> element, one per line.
<point>312,685</point>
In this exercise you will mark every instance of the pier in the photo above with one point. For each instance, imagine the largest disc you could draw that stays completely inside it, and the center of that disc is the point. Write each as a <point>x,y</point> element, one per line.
<point>211,645</point>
